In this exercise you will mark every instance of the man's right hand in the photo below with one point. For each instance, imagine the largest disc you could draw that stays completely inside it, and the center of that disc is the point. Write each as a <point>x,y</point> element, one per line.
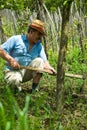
<point>9,59</point>
<point>14,64</point>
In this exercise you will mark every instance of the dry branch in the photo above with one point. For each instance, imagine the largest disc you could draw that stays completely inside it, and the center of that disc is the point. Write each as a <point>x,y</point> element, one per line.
<point>37,69</point>
<point>51,73</point>
<point>74,76</point>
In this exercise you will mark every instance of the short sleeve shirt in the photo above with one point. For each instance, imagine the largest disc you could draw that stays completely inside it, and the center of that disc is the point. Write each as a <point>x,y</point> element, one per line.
<point>18,47</point>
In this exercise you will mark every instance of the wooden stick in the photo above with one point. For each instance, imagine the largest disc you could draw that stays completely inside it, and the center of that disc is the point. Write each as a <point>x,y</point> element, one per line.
<point>74,76</point>
<point>37,69</point>
<point>50,72</point>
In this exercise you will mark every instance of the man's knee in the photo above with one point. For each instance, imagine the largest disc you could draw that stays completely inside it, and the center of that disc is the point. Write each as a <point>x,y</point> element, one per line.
<point>40,60</point>
<point>38,63</point>
<point>13,79</point>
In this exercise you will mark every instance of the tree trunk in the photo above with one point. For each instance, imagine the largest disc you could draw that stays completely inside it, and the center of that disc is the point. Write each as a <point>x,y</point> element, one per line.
<point>62,56</point>
<point>39,8</point>
<point>1,32</point>
<point>80,40</point>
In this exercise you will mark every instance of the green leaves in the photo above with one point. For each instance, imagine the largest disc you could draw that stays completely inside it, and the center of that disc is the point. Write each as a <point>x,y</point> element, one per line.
<point>2,117</point>
<point>7,123</point>
<point>12,4</point>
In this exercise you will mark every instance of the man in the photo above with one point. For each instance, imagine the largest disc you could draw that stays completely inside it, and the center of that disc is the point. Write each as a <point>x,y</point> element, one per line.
<point>26,50</point>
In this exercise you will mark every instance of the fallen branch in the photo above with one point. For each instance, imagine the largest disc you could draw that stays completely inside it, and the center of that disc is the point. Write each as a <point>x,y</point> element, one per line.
<point>51,73</point>
<point>37,69</point>
<point>74,76</point>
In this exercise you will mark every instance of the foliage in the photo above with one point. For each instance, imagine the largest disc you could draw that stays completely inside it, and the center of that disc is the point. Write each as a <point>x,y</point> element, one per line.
<point>7,123</point>
<point>53,57</point>
<point>1,69</point>
<point>12,4</point>
<point>8,28</point>
<point>17,5</point>
<point>52,5</point>
<point>75,61</point>
<point>39,112</point>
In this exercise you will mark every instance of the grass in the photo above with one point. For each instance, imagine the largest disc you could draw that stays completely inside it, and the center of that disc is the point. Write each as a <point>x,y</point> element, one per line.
<point>37,111</point>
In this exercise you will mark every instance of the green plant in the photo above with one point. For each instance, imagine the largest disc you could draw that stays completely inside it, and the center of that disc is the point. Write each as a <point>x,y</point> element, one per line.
<point>8,121</point>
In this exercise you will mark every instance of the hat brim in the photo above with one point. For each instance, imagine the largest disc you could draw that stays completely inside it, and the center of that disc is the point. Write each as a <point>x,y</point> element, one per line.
<point>41,30</point>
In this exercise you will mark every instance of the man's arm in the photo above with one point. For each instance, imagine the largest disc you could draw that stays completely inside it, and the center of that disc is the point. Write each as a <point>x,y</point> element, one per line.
<point>9,59</point>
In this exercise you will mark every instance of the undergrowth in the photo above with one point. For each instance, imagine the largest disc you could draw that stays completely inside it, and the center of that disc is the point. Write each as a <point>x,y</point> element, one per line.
<point>37,111</point>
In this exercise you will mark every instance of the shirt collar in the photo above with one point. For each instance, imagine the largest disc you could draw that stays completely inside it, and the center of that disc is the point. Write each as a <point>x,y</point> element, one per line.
<point>24,37</point>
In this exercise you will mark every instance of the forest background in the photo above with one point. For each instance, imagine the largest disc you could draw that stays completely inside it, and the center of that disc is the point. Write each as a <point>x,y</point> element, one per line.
<point>61,102</point>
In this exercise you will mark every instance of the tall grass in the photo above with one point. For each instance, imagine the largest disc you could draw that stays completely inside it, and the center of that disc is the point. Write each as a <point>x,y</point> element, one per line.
<point>18,118</point>
<point>37,111</point>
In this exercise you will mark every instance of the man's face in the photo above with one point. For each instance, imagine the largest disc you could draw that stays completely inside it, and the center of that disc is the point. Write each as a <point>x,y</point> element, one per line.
<point>36,36</point>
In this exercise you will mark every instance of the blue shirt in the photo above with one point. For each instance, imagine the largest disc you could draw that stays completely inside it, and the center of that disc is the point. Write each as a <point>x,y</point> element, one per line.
<point>18,47</point>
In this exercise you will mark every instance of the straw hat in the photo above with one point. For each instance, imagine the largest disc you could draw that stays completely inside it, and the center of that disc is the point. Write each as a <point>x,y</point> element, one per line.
<point>38,25</point>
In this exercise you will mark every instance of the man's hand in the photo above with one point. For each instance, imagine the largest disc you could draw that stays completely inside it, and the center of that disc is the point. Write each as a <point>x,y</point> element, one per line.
<point>14,64</point>
<point>9,59</point>
<point>48,67</point>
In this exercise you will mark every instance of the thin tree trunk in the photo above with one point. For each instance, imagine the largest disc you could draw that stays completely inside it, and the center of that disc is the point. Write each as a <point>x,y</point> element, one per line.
<point>80,40</point>
<point>2,37</point>
<point>62,56</point>
<point>39,6</point>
